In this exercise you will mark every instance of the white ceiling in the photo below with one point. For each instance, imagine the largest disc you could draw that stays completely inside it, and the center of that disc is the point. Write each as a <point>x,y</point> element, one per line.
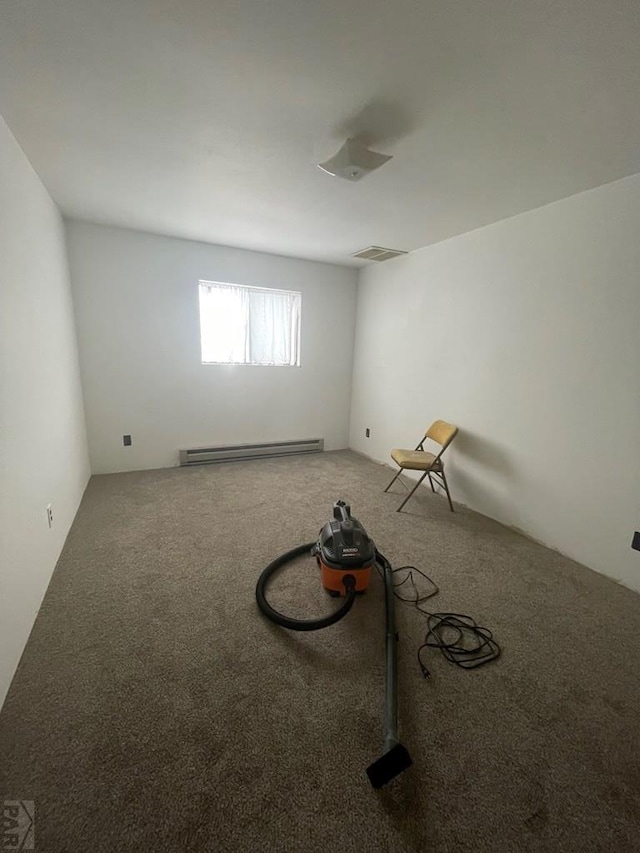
<point>204,118</point>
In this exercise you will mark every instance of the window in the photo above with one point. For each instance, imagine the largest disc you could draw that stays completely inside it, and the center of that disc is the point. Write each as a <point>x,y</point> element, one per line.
<point>249,325</point>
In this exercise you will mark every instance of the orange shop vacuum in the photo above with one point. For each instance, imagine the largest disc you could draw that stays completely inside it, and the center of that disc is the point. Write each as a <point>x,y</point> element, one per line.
<point>346,556</point>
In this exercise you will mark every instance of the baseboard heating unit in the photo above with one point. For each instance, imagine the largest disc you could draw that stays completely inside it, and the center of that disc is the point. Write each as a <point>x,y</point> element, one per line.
<point>234,452</point>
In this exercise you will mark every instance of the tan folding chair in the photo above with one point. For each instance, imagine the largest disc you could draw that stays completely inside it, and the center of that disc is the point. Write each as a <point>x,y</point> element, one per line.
<point>441,433</point>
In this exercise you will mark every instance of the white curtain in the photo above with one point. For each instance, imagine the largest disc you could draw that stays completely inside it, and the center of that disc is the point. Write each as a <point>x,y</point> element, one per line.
<point>274,324</point>
<point>243,325</point>
<point>223,323</point>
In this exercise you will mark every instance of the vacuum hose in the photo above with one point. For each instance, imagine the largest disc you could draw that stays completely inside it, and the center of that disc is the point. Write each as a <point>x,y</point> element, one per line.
<point>301,624</point>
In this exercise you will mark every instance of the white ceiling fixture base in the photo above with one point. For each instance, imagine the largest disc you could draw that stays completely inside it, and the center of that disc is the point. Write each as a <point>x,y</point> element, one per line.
<point>353,161</point>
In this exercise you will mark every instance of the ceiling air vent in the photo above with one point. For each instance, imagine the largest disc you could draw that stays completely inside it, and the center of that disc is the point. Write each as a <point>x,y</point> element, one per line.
<point>377,253</point>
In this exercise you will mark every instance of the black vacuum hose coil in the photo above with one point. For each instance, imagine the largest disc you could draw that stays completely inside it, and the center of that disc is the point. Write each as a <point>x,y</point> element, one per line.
<point>301,624</point>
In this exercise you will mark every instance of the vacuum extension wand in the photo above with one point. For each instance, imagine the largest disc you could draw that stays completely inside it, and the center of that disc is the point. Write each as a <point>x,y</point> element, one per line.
<point>395,758</point>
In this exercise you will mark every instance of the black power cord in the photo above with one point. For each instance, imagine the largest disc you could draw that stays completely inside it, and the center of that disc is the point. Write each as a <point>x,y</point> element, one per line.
<point>460,639</point>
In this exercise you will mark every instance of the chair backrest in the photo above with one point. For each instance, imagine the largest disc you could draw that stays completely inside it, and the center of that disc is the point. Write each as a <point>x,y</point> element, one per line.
<point>442,433</point>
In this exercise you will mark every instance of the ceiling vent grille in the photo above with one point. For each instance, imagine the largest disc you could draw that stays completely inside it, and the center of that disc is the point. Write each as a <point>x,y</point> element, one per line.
<point>377,253</point>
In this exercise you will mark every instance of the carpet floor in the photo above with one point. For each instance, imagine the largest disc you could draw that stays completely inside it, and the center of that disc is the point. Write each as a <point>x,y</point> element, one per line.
<point>154,709</point>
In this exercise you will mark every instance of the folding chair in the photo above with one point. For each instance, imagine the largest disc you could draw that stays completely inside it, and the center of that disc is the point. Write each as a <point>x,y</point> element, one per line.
<point>441,433</point>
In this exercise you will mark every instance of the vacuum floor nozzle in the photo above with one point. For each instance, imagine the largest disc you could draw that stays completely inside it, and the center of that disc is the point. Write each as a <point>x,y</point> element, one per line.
<point>389,765</point>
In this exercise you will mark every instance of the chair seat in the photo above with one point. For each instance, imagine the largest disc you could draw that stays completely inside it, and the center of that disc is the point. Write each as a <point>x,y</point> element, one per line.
<point>416,460</point>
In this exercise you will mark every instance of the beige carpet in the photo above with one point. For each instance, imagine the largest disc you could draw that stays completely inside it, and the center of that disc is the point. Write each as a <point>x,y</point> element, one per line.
<point>155,710</point>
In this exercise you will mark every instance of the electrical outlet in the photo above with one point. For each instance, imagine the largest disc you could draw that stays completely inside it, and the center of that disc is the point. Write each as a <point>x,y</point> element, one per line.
<point>126,440</point>
<point>50,515</point>
<point>635,544</point>
<point>367,432</point>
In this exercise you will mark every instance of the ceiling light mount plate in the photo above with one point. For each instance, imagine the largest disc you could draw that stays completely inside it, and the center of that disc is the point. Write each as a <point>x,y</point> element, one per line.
<point>354,161</point>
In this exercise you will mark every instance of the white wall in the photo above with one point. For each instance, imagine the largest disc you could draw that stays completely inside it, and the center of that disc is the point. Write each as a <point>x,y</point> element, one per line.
<point>526,334</point>
<point>136,301</point>
<point>43,449</point>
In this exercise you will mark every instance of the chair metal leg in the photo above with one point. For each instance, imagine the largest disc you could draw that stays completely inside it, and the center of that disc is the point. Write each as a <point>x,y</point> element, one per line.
<point>446,488</point>
<point>394,479</point>
<point>412,491</point>
<point>431,484</point>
